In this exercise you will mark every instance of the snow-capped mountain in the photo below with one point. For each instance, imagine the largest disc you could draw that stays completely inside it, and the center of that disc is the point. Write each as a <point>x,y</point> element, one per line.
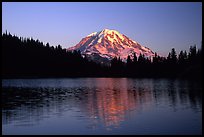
<point>107,44</point>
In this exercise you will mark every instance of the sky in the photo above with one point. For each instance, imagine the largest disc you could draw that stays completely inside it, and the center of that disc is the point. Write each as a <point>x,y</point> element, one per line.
<point>159,26</point>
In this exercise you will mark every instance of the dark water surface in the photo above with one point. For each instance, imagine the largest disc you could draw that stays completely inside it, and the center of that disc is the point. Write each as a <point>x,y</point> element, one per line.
<point>101,106</point>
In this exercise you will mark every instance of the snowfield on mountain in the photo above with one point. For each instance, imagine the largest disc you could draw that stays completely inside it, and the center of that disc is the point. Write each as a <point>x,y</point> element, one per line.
<point>106,44</point>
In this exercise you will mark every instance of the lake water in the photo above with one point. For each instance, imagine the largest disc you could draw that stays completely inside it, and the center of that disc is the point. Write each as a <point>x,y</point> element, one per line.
<point>101,106</point>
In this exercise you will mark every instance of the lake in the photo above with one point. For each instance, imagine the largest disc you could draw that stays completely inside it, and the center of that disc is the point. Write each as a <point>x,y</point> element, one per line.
<point>92,106</point>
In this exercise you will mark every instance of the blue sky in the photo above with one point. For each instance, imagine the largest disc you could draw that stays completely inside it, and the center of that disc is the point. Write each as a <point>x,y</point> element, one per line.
<point>157,25</point>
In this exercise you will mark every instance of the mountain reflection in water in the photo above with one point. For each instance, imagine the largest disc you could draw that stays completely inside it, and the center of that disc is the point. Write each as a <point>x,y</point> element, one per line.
<point>111,102</point>
<point>107,101</point>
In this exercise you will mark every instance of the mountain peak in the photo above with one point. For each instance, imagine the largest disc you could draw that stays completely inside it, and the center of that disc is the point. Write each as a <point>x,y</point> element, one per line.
<point>108,30</point>
<point>109,44</point>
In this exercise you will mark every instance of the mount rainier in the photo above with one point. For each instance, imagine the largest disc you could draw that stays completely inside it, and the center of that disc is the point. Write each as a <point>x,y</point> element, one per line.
<point>104,45</point>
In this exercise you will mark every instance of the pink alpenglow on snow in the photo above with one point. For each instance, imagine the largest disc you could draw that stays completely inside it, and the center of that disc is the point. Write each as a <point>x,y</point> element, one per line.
<point>109,44</point>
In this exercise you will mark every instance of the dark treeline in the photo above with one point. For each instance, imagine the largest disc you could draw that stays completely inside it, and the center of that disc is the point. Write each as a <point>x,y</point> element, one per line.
<point>28,58</point>
<point>24,58</point>
<point>183,65</point>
